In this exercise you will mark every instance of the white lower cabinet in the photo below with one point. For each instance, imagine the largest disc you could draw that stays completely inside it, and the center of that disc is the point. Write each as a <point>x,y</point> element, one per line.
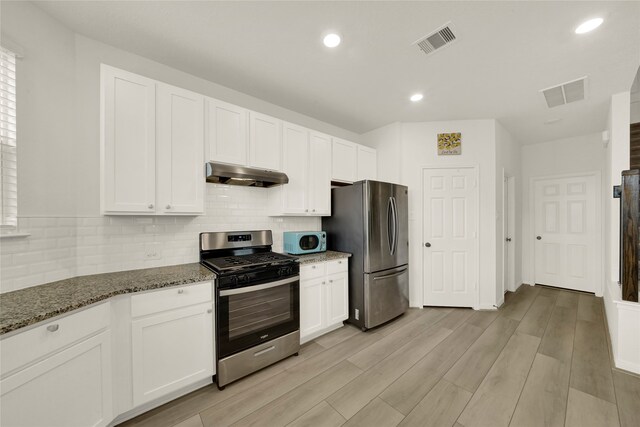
<point>173,347</point>
<point>98,366</point>
<point>324,297</point>
<point>72,386</point>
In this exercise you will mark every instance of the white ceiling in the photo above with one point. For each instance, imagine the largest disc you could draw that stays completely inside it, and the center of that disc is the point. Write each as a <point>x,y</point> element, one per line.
<point>506,52</point>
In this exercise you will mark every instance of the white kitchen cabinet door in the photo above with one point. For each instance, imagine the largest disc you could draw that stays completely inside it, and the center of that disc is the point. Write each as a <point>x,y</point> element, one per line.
<point>180,151</point>
<point>312,306</point>
<point>69,388</point>
<point>344,161</point>
<point>265,141</point>
<point>128,142</point>
<point>171,350</point>
<point>367,163</point>
<point>337,298</point>
<point>226,132</point>
<point>319,174</point>
<point>295,156</point>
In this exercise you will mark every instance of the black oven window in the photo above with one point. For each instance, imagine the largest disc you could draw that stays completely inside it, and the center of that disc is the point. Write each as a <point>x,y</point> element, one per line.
<point>309,242</point>
<point>255,311</point>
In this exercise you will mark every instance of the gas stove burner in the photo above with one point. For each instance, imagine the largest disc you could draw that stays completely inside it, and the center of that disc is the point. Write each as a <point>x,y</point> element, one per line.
<point>237,262</point>
<point>235,252</point>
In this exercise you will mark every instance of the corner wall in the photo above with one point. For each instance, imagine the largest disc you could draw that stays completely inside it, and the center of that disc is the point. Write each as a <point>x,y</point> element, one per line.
<point>623,317</point>
<point>508,164</point>
<point>419,150</point>
<point>580,154</point>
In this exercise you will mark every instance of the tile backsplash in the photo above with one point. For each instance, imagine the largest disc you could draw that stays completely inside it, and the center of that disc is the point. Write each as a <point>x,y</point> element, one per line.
<point>60,248</point>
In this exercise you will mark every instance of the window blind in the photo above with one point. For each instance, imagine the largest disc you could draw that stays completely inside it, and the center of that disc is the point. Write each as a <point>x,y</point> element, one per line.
<point>8,152</point>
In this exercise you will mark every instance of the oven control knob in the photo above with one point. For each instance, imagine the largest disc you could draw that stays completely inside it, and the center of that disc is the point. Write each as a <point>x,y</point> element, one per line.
<point>243,278</point>
<point>285,271</point>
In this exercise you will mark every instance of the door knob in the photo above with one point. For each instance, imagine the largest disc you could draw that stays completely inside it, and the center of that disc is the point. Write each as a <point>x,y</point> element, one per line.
<point>508,239</point>
<point>427,245</point>
<point>539,237</point>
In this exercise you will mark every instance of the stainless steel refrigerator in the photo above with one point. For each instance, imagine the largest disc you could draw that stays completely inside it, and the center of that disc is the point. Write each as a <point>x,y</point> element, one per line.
<point>370,220</point>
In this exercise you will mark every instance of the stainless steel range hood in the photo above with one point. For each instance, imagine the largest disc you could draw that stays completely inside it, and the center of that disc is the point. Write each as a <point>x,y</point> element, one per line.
<point>220,173</point>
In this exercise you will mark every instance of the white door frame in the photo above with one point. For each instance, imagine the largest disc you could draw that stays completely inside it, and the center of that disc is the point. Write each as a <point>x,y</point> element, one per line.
<point>508,228</point>
<point>476,168</point>
<point>599,216</point>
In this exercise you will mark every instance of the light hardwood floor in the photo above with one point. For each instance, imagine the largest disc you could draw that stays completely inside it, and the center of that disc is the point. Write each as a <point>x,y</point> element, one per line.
<point>540,360</point>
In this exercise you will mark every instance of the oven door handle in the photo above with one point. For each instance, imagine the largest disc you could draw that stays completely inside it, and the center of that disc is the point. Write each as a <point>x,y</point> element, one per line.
<point>228,292</point>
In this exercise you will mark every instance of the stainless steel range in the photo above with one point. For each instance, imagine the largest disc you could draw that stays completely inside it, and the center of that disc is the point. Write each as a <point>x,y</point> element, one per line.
<point>257,302</point>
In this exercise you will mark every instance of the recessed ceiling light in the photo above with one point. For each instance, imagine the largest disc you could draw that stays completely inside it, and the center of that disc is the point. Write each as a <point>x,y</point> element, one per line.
<point>416,97</point>
<point>331,40</point>
<point>589,25</point>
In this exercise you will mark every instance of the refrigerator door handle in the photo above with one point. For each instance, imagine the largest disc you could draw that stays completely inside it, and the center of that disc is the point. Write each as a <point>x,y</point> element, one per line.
<point>390,224</point>
<point>396,229</point>
<point>388,276</point>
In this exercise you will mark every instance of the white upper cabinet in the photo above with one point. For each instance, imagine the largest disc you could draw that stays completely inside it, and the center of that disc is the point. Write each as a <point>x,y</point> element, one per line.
<point>265,141</point>
<point>367,163</point>
<point>295,158</point>
<point>152,147</point>
<point>226,132</point>
<point>352,162</point>
<point>128,142</point>
<point>180,150</point>
<point>344,160</point>
<point>319,174</point>
<point>306,159</point>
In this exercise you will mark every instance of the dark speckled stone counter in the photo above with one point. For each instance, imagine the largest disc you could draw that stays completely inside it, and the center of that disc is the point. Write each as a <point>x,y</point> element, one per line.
<point>321,257</point>
<point>35,304</point>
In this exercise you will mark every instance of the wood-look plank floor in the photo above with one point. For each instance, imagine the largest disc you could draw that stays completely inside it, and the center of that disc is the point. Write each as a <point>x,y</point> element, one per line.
<point>540,360</point>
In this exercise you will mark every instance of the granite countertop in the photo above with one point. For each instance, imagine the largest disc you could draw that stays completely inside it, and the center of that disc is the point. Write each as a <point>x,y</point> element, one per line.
<point>32,305</point>
<point>321,257</point>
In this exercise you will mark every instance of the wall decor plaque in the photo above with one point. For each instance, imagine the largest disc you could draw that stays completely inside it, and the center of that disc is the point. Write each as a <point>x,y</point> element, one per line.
<point>449,144</point>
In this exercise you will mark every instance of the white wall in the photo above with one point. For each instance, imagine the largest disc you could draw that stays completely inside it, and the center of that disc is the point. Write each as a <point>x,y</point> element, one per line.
<point>58,101</point>
<point>623,318</point>
<point>419,150</point>
<point>387,140</point>
<point>58,162</point>
<point>563,156</point>
<point>617,159</point>
<point>508,164</point>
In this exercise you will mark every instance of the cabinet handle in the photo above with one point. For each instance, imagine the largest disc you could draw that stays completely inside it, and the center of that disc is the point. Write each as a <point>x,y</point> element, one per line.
<point>181,291</point>
<point>168,206</point>
<point>53,328</point>
<point>339,262</point>
<point>210,310</point>
<point>150,206</point>
<point>306,210</point>
<point>313,267</point>
<point>330,281</point>
<point>314,210</point>
<point>324,283</point>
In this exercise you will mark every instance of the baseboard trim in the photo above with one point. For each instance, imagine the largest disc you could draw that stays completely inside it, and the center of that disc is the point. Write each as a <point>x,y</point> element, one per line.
<point>159,402</point>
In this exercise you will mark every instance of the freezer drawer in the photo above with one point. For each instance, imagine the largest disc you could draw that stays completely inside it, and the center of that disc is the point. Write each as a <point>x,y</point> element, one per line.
<point>386,295</point>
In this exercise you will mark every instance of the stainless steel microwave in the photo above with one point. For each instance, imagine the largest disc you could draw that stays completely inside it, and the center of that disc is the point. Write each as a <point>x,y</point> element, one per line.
<point>305,242</point>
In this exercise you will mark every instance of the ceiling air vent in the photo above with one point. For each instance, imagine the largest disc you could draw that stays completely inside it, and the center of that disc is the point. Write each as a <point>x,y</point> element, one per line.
<point>438,39</point>
<point>565,93</point>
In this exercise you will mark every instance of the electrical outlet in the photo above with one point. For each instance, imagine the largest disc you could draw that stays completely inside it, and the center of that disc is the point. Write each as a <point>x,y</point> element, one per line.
<point>152,251</point>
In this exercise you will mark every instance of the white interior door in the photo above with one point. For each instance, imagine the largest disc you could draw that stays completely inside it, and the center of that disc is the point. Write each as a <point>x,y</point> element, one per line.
<point>450,229</point>
<point>567,233</point>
